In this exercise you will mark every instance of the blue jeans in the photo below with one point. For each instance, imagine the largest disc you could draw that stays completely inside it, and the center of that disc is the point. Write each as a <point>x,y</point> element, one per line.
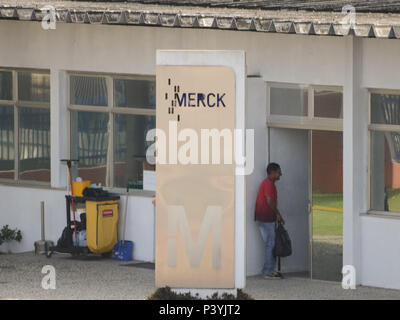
<point>267,230</point>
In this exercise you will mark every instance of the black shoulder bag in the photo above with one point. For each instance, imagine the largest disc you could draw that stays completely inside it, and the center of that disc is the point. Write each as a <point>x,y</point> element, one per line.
<point>283,244</point>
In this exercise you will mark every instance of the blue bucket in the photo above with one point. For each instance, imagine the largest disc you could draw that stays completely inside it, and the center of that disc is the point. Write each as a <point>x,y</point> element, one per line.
<point>123,250</point>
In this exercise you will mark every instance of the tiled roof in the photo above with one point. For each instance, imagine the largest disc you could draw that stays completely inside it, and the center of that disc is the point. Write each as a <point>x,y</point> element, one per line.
<point>323,23</point>
<point>387,6</point>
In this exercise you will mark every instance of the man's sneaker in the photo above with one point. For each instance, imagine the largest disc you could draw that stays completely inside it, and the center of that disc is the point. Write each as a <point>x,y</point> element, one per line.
<point>273,276</point>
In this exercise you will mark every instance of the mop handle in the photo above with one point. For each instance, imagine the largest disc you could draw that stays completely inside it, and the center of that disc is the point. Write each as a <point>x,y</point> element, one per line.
<point>72,200</point>
<point>69,164</point>
<point>126,213</point>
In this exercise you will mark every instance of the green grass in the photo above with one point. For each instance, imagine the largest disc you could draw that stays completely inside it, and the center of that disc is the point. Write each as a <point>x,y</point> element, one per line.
<point>393,196</point>
<point>327,223</point>
<point>333,200</point>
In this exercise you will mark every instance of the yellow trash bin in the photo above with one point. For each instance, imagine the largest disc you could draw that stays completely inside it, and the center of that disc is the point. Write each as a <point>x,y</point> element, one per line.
<point>101,225</point>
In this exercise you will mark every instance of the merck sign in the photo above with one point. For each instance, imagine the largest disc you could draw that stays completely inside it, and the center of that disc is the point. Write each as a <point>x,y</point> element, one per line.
<point>195,209</point>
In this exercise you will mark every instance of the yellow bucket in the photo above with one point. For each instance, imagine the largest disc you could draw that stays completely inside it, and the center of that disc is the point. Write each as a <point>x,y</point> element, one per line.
<point>79,186</point>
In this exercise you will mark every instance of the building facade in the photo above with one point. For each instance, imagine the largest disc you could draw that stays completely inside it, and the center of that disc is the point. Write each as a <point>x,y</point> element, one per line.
<point>87,90</point>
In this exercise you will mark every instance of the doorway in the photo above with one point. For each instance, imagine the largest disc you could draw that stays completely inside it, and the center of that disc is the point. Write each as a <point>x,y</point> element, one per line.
<point>310,199</point>
<point>326,217</point>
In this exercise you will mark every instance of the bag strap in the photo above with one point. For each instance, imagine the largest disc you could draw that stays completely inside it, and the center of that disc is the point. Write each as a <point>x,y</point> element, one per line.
<point>278,224</point>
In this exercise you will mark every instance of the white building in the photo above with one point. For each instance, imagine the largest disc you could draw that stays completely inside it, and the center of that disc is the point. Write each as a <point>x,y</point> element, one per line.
<point>316,87</point>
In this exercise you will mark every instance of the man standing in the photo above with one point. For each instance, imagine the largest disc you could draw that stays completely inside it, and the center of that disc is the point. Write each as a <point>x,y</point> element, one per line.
<point>266,213</point>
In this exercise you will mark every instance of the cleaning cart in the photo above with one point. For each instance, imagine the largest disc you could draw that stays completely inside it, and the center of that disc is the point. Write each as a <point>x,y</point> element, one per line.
<point>100,227</point>
<point>96,232</point>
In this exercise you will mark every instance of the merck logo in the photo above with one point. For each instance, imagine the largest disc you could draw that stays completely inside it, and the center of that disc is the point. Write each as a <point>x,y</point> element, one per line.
<point>200,99</point>
<point>192,99</point>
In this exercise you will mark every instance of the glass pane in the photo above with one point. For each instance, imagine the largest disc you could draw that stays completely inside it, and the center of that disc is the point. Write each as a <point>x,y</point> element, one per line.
<point>385,108</point>
<point>6,142</point>
<point>130,151</point>
<point>5,85</point>
<point>33,86</point>
<point>289,102</point>
<point>385,171</point>
<point>328,104</point>
<point>88,91</point>
<point>34,144</point>
<point>327,205</point>
<point>89,144</point>
<point>135,93</point>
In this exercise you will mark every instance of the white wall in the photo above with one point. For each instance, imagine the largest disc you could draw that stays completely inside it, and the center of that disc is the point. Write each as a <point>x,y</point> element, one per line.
<point>20,208</point>
<point>121,49</point>
<point>380,239</point>
<point>380,236</point>
<point>140,226</point>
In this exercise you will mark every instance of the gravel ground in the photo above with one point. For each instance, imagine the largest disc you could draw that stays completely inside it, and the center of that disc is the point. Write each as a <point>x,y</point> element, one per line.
<point>294,288</point>
<point>92,278</point>
<point>99,278</point>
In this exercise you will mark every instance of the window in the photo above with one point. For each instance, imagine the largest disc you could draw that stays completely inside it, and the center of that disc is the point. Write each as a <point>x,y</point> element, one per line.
<point>25,117</point>
<point>109,120</point>
<point>134,93</point>
<point>88,91</point>
<point>328,104</point>
<point>385,152</point>
<point>130,149</point>
<point>289,101</point>
<point>306,106</point>
<point>7,142</point>
<point>89,144</point>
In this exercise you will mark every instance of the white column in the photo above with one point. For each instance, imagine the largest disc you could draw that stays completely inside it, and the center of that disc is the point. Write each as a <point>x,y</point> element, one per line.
<point>58,127</point>
<point>256,116</point>
<point>355,111</point>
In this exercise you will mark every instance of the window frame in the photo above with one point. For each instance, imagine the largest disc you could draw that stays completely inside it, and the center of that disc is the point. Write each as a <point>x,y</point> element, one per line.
<point>372,127</point>
<point>15,103</point>
<point>111,110</point>
<point>303,122</point>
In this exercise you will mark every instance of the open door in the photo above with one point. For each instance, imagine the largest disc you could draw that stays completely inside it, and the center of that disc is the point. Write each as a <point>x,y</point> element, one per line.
<point>327,205</point>
<point>310,199</point>
<point>290,148</point>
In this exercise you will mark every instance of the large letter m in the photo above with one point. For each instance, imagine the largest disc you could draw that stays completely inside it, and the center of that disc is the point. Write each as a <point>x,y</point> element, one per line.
<point>212,223</point>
